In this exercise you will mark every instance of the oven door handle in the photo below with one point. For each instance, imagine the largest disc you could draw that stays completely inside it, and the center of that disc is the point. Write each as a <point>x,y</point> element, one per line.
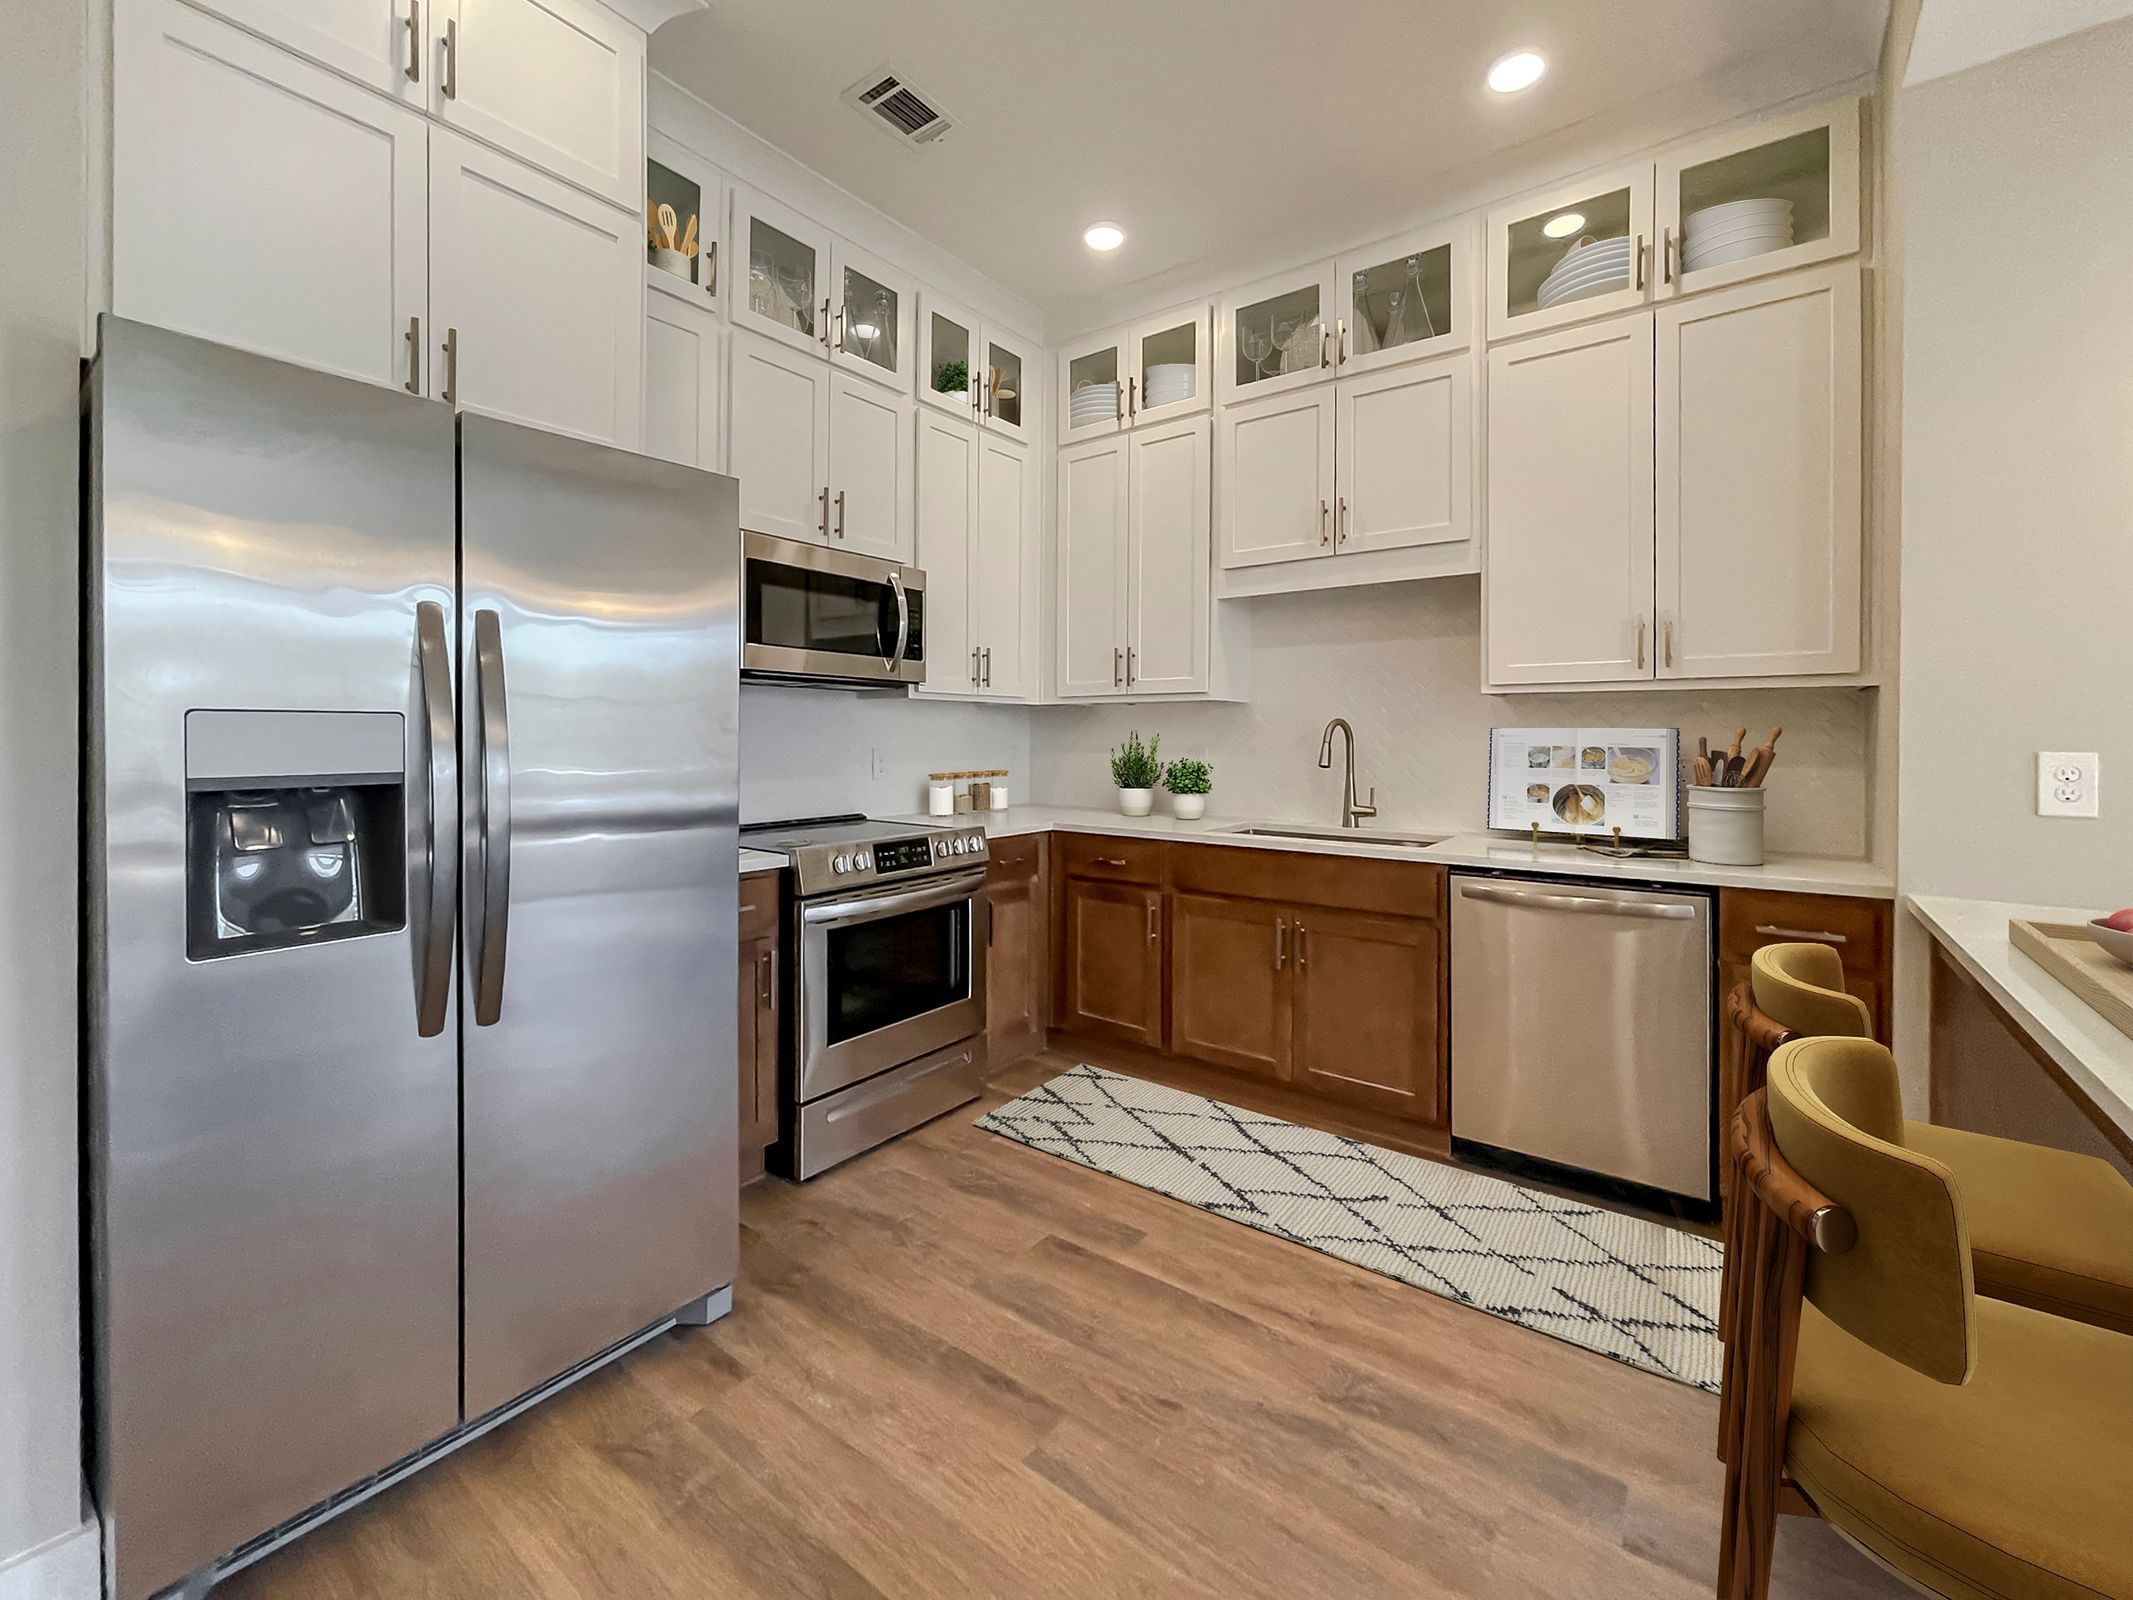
<point>868,907</point>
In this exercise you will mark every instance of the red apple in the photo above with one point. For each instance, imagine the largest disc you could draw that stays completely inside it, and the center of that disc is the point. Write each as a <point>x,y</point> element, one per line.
<point>2121,920</point>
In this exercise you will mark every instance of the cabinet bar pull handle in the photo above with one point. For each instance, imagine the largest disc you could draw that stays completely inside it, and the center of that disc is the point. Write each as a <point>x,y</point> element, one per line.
<point>1344,341</point>
<point>1770,930</point>
<point>973,666</point>
<point>1666,253</point>
<point>1133,397</point>
<point>839,341</point>
<point>451,365</point>
<point>1152,929</point>
<point>1666,632</point>
<point>414,41</point>
<point>1110,861</point>
<point>762,977</point>
<point>988,666</point>
<point>414,355</point>
<point>1325,514</point>
<point>773,977</point>
<point>451,58</point>
<point>1132,670</point>
<point>1118,668</point>
<point>824,524</point>
<point>840,513</point>
<point>1325,345</point>
<point>1281,943</point>
<point>1340,526</point>
<point>825,322</point>
<point>1640,261</point>
<point>1640,644</point>
<point>1302,953</point>
<point>711,266</point>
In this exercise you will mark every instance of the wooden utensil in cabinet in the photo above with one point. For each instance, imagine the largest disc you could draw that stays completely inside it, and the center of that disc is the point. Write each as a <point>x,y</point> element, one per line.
<point>668,223</point>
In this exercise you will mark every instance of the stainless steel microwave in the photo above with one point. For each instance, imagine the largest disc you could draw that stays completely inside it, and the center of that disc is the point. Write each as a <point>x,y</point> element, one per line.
<point>816,615</point>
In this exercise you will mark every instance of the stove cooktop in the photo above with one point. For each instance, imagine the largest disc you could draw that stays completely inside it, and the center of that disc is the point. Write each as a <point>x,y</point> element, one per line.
<point>842,853</point>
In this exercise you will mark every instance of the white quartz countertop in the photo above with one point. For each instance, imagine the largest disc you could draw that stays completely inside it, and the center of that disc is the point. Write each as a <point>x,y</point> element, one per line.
<point>2095,1055</point>
<point>1801,874</point>
<point>761,860</point>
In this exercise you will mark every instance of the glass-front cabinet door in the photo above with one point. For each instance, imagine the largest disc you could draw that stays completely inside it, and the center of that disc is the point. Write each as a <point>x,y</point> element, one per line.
<point>1406,298</point>
<point>684,195</point>
<point>870,319</point>
<point>1168,366</point>
<point>787,258</point>
<point>1277,334</point>
<point>1004,400</point>
<point>1092,386</point>
<point>947,356</point>
<point>1577,252</point>
<point>1759,200</point>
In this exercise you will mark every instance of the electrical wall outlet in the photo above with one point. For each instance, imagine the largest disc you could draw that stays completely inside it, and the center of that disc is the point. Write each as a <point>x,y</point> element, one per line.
<point>2066,783</point>
<point>881,762</point>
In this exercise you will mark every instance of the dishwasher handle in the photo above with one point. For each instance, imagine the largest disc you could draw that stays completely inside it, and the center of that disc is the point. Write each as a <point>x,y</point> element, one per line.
<point>1585,904</point>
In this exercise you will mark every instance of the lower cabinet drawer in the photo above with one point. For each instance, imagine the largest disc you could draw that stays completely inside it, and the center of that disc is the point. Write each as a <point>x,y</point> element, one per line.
<point>1748,919</point>
<point>1090,855</point>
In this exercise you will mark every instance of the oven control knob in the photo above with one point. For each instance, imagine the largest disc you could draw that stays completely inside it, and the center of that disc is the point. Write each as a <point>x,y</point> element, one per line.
<point>962,847</point>
<point>841,864</point>
<point>862,861</point>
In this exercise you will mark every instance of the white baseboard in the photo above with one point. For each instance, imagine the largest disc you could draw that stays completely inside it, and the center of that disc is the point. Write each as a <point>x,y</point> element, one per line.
<point>65,1568</point>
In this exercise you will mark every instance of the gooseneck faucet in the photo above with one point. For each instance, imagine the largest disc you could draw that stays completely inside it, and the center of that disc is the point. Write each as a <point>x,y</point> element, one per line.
<point>1352,813</point>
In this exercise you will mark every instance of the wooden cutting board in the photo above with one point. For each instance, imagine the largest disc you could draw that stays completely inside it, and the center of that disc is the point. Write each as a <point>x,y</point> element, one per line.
<point>2065,950</point>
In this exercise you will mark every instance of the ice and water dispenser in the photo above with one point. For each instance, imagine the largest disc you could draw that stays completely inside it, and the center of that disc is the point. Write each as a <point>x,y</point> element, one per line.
<point>295,828</point>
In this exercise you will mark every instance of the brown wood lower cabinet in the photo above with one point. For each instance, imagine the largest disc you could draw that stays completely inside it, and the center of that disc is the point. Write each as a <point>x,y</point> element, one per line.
<point>1319,977</point>
<point>1018,960</point>
<point>761,1015</point>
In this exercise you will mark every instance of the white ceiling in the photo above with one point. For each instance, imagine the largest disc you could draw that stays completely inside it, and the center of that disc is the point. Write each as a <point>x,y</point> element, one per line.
<point>1233,134</point>
<point>1955,34</point>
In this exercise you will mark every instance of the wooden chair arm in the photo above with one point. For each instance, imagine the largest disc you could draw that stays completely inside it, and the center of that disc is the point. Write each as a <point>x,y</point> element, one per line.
<point>1795,1202</point>
<point>1760,1034</point>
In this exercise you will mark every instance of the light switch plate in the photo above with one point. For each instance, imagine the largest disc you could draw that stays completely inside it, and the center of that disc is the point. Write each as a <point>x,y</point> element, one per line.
<point>2067,783</point>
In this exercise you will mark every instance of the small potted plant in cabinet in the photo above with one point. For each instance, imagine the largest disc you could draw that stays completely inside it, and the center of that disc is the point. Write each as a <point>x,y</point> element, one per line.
<point>1136,771</point>
<point>1188,782</point>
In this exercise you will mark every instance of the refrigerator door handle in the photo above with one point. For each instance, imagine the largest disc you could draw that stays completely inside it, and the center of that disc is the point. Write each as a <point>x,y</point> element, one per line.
<point>435,892</point>
<point>489,858</point>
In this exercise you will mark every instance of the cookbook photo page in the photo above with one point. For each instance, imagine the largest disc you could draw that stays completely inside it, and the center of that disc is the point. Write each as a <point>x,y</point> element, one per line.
<point>1586,780</point>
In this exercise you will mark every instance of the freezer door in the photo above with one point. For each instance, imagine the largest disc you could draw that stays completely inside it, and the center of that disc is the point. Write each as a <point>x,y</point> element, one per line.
<point>272,1079</point>
<point>599,716</point>
<point>1582,1027</point>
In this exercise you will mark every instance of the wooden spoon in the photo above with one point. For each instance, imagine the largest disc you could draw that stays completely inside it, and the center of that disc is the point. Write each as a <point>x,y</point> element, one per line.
<point>688,239</point>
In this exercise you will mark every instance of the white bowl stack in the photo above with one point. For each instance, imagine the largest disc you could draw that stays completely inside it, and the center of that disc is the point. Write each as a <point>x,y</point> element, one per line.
<point>1167,383</point>
<point>1734,232</point>
<point>1588,269</point>
<point>1093,402</point>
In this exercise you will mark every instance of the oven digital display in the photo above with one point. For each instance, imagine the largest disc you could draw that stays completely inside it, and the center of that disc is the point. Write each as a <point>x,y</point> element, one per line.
<point>901,855</point>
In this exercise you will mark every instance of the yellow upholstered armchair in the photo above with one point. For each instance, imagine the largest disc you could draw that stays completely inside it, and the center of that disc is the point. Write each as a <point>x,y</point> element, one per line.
<point>1978,1447</point>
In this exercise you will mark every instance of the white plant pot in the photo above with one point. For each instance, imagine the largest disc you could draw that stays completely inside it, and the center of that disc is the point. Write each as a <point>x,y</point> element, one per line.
<point>1136,802</point>
<point>1189,807</point>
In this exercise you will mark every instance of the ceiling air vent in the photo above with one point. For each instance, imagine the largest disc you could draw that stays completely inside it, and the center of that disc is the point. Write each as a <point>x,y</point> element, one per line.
<point>891,104</point>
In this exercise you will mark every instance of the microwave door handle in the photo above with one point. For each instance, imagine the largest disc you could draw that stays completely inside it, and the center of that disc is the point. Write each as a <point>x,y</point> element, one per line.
<point>489,829</point>
<point>433,889</point>
<point>903,621</point>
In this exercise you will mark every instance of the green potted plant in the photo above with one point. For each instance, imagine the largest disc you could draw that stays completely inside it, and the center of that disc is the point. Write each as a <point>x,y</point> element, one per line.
<point>1136,771</point>
<point>951,377</point>
<point>1188,782</point>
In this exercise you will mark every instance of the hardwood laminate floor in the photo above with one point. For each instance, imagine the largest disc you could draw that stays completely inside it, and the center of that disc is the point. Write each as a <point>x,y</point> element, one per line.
<point>958,1367</point>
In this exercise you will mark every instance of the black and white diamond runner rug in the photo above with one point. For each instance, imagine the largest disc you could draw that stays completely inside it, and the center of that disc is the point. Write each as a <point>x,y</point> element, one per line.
<point>1638,1291</point>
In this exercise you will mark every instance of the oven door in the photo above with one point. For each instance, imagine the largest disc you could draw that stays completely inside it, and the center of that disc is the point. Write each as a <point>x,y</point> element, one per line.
<point>816,615</point>
<point>889,975</point>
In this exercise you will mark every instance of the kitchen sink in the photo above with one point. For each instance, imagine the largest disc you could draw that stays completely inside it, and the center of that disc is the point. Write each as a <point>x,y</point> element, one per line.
<point>1407,841</point>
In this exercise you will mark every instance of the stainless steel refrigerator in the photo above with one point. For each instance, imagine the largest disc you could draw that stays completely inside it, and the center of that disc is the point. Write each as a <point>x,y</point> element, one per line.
<point>410,921</point>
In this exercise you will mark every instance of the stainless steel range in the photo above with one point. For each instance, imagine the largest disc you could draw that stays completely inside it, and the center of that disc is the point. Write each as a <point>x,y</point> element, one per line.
<point>889,1015</point>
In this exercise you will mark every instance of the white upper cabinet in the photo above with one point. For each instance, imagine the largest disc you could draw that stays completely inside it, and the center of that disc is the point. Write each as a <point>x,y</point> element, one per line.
<point>1167,516</point>
<point>947,470</point>
<point>383,44</point>
<point>1092,518</point>
<point>263,202</point>
<point>549,332</point>
<point>1404,469</point>
<point>1003,611</point>
<point>684,383</point>
<point>1758,479</point>
<point>1010,367</point>
<point>1766,199</point>
<point>786,293</point>
<point>558,83</point>
<point>1569,576</point>
<point>1157,370</point>
<point>1276,334</point>
<point>694,192</point>
<point>949,340</point>
<point>870,318</point>
<point>1406,298</point>
<point>872,498</point>
<point>777,438</point>
<point>1276,465</point>
<point>1577,252</point>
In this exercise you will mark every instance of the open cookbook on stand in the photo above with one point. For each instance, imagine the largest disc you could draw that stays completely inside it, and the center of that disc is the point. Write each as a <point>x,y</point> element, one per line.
<point>1586,781</point>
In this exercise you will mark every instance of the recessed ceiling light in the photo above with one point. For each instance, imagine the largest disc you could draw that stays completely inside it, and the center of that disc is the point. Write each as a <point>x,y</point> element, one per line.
<point>1564,226</point>
<point>1521,69</point>
<point>1103,236</point>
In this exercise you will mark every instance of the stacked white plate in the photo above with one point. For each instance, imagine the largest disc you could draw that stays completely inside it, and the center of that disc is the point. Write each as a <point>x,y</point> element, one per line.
<point>1733,232</point>
<point>1167,383</point>
<point>1588,269</point>
<point>1093,402</point>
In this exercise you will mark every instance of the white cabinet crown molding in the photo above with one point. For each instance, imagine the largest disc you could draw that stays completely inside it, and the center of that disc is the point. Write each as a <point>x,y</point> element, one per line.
<point>651,15</point>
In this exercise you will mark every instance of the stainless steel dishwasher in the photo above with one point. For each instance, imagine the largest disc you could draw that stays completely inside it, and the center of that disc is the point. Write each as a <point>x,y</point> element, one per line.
<point>1582,1034</point>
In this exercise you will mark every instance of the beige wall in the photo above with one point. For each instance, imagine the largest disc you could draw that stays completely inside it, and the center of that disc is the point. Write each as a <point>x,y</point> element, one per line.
<point>2017,496</point>
<point>41,294</point>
